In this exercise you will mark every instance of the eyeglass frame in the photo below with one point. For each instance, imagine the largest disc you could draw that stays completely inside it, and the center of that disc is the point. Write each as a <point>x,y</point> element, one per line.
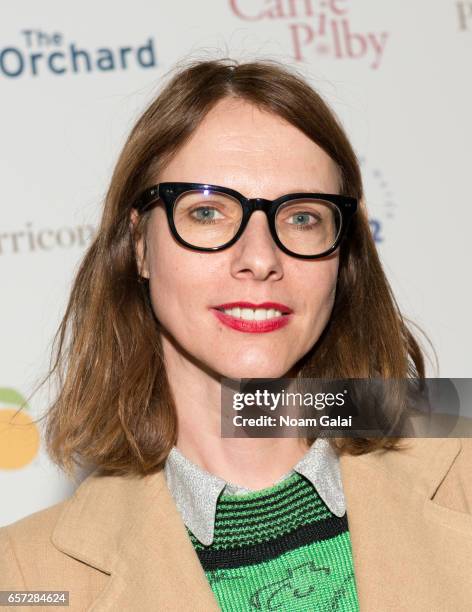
<point>168,192</point>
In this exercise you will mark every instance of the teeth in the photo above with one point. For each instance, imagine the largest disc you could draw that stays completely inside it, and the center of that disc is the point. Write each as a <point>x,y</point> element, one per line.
<point>247,314</point>
<point>253,314</point>
<point>260,315</point>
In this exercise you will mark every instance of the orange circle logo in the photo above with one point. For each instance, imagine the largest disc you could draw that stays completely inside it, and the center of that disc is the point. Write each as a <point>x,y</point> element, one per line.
<point>19,436</point>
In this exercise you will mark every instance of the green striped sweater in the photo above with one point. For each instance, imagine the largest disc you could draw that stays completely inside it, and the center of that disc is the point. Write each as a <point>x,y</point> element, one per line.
<point>279,549</point>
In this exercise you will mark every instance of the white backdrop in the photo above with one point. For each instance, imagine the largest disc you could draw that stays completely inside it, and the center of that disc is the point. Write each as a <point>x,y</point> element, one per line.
<point>397,74</point>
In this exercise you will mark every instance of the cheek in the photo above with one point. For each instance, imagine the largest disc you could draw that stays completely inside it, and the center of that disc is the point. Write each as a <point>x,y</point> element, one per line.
<point>178,278</point>
<point>171,286</point>
<point>163,260</point>
<point>317,286</point>
<point>320,292</point>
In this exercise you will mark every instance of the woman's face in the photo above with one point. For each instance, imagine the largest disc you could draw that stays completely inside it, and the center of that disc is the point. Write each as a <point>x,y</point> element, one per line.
<point>259,155</point>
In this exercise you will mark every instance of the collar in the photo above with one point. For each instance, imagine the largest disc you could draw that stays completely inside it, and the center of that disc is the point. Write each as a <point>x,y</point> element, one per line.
<point>196,491</point>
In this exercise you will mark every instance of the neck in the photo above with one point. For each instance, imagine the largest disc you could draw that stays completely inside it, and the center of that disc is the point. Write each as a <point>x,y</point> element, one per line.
<point>254,463</point>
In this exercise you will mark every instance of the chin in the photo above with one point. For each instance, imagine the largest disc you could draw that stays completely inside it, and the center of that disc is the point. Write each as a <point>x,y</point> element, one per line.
<point>268,370</point>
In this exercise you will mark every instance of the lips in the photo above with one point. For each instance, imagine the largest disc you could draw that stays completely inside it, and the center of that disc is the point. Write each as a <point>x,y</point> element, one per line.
<point>241,316</point>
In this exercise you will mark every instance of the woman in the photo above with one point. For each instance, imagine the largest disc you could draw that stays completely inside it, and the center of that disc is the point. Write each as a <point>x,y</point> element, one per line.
<point>188,281</point>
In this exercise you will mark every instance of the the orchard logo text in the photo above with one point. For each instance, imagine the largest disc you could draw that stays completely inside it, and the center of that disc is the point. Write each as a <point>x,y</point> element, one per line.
<point>40,53</point>
<point>317,28</point>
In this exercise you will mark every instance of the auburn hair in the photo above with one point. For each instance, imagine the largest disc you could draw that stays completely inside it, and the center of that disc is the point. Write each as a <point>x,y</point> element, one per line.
<point>114,408</point>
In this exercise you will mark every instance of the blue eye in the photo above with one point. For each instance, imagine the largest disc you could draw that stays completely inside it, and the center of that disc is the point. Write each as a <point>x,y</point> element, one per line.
<point>302,217</point>
<point>205,214</point>
<point>303,220</point>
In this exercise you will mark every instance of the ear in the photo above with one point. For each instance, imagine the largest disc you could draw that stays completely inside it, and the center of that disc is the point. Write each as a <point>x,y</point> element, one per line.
<point>139,244</point>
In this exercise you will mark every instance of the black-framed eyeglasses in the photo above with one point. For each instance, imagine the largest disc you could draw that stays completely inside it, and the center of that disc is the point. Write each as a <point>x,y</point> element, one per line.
<point>208,217</point>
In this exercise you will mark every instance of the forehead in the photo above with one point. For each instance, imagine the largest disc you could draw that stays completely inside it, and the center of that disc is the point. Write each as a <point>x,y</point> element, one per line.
<point>241,146</point>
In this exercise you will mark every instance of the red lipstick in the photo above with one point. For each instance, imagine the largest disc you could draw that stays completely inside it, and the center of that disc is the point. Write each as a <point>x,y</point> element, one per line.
<point>253,326</point>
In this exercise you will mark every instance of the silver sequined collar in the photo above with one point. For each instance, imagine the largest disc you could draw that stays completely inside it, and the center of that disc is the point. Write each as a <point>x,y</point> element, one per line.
<point>196,491</point>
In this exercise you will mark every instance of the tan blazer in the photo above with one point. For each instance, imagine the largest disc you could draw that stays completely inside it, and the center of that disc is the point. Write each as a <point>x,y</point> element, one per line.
<point>119,544</point>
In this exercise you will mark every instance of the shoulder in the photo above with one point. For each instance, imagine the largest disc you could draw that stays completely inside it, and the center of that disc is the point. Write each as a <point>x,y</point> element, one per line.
<point>30,560</point>
<point>25,544</point>
<point>33,529</point>
<point>439,467</point>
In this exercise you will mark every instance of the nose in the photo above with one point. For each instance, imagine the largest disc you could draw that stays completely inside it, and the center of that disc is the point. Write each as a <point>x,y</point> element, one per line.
<point>255,254</point>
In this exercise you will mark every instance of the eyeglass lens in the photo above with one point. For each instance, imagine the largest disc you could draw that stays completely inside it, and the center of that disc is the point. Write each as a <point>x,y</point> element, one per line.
<point>208,219</point>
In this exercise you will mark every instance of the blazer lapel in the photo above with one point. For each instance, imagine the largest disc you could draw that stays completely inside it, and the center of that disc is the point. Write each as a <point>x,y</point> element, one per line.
<point>131,529</point>
<point>406,554</point>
